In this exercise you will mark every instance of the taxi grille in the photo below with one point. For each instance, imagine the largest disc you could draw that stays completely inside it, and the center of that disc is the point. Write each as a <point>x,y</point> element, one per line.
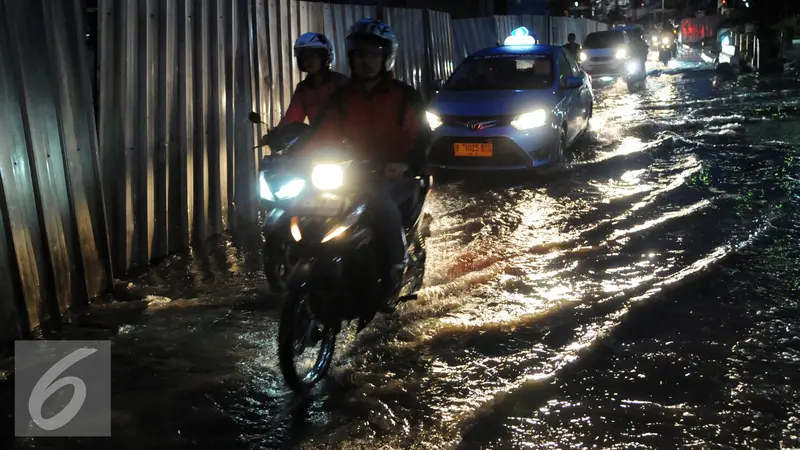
<point>504,153</point>
<point>600,58</point>
<point>488,121</point>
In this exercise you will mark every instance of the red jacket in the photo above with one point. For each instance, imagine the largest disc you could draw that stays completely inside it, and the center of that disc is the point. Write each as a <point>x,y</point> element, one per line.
<point>307,99</point>
<point>386,124</point>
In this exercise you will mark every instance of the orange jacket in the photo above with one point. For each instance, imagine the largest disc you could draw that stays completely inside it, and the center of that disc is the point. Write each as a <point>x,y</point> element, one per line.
<point>308,99</point>
<point>385,125</point>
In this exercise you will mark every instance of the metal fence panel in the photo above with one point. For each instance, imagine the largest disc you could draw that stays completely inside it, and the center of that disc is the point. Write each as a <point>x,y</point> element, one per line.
<point>440,44</point>
<point>563,26</point>
<point>53,230</point>
<point>172,74</point>
<point>471,35</point>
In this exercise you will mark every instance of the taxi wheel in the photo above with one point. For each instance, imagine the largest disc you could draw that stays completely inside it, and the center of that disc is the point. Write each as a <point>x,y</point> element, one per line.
<point>562,146</point>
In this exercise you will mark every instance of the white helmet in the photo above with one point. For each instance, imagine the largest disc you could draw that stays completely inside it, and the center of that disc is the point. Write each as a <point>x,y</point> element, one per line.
<point>366,30</point>
<point>314,41</point>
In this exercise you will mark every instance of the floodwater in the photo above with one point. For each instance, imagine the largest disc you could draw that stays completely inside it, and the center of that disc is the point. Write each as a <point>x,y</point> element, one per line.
<point>645,296</point>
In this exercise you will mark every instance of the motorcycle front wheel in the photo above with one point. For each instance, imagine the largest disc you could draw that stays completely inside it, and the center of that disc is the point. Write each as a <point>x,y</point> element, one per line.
<point>298,331</point>
<point>277,263</point>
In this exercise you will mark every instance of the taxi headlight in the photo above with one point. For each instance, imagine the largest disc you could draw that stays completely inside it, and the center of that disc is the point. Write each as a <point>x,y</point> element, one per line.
<point>433,120</point>
<point>530,120</point>
<point>327,177</point>
<point>622,53</point>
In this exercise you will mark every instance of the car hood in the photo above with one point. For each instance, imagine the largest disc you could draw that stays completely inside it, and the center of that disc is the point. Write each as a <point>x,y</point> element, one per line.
<point>492,103</point>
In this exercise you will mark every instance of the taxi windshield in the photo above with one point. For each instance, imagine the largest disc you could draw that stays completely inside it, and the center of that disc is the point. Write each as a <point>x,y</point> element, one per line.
<point>502,72</point>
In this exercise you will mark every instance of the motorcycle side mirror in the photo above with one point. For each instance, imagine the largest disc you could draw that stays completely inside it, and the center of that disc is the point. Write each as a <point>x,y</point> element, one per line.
<point>254,117</point>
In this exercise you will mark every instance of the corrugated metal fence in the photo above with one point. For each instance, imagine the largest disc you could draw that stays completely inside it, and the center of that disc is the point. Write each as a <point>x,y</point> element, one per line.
<point>472,35</point>
<point>53,240</point>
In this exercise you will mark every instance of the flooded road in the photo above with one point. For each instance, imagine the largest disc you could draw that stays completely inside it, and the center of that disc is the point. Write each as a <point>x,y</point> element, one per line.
<point>644,296</point>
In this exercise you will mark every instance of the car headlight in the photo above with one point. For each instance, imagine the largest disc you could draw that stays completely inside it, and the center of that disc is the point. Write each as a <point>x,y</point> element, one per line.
<point>622,53</point>
<point>583,57</point>
<point>433,120</point>
<point>530,120</point>
<point>263,188</point>
<point>327,177</point>
<point>291,189</point>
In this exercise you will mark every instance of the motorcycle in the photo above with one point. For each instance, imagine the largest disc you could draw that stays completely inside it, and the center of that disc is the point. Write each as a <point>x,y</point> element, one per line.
<point>334,280</point>
<point>278,252</point>
<point>666,48</point>
<point>637,74</point>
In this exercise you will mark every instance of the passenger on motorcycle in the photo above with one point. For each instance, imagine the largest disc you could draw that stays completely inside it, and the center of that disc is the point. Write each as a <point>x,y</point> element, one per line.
<point>314,53</point>
<point>383,120</point>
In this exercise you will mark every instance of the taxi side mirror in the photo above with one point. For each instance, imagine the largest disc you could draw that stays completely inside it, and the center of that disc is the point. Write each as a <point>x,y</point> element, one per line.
<point>573,83</point>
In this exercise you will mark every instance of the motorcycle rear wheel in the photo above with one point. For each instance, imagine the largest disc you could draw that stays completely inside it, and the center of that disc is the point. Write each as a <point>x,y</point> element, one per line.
<point>297,318</point>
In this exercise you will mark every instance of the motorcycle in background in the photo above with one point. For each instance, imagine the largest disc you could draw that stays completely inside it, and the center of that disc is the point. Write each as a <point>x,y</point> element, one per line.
<point>666,47</point>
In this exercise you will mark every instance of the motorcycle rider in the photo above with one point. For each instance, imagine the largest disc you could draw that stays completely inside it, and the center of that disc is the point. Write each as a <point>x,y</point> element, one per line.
<point>314,53</point>
<point>383,120</point>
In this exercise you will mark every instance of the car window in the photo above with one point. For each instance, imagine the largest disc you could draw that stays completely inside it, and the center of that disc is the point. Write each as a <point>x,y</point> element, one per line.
<point>564,71</point>
<point>573,64</point>
<point>498,72</point>
<point>604,39</point>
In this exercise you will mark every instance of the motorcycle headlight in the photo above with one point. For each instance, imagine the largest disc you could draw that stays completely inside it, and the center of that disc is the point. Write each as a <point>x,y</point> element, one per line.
<point>327,177</point>
<point>583,57</point>
<point>655,39</point>
<point>263,188</point>
<point>665,41</point>
<point>291,189</point>
<point>633,67</point>
<point>530,120</point>
<point>622,53</point>
<point>433,120</point>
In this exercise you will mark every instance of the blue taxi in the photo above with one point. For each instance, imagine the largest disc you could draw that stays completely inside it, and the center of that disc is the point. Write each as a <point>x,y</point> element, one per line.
<point>510,107</point>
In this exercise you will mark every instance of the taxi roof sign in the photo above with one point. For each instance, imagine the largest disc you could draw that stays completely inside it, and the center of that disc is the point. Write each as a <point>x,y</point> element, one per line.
<point>520,36</point>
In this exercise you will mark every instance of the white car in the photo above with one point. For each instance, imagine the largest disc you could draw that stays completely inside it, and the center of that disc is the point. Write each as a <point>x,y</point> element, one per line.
<point>609,54</point>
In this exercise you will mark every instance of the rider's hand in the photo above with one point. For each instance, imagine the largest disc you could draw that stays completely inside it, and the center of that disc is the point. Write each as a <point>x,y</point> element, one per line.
<point>395,171</point>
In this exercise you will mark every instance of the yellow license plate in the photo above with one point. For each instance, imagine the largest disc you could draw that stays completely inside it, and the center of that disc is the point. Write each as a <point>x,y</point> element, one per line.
<point>474,150</point>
